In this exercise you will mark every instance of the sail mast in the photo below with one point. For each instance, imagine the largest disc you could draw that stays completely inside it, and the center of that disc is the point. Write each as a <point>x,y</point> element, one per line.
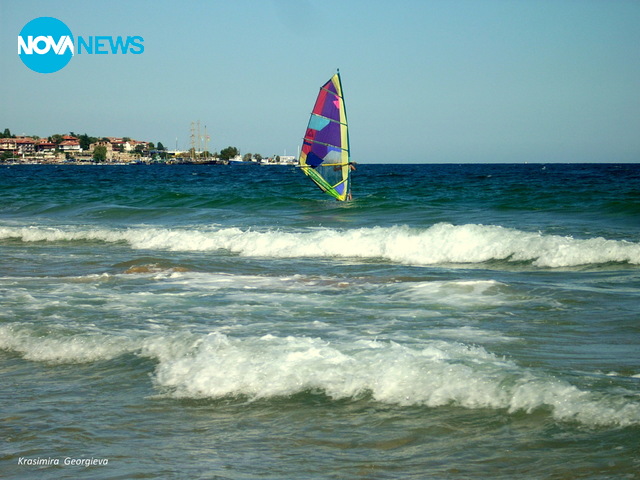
<point>344,107</point>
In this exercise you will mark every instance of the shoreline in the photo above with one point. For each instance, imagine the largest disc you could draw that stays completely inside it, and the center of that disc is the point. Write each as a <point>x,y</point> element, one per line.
<point>91,163</point>
<point>138,162</point>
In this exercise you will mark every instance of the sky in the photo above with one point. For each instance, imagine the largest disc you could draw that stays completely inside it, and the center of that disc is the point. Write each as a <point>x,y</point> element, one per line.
<point>425,81</point>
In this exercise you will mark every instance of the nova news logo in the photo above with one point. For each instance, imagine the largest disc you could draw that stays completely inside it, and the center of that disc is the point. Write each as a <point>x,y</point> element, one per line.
<point>46,45</point>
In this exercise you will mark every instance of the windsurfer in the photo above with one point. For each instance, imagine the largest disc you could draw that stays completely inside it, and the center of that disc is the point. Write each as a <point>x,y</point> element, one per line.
<point>352,167</point>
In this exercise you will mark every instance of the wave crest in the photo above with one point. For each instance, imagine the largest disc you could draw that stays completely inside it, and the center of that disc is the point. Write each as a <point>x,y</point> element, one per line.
<point>431,374</point>
<point>440,244</point>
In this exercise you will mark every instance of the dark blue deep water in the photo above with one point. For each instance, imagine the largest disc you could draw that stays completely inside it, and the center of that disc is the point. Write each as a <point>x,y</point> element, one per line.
<point>232,322</point>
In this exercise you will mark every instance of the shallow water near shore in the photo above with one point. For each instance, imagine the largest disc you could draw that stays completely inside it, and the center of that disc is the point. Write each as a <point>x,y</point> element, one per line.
<point>452,321</point>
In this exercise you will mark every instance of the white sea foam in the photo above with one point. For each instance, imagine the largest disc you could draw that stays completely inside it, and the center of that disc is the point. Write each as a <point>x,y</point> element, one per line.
<point>433,374</point>
<point>439,244</point>
<point>53,347</point>
<point>462,293</point>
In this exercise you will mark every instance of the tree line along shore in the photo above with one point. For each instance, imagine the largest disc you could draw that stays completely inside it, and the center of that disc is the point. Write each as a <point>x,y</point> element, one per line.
<point>81,149</point>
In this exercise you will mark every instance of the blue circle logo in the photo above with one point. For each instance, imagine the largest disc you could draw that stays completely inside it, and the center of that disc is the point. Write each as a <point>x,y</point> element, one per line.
<point>45,45</point>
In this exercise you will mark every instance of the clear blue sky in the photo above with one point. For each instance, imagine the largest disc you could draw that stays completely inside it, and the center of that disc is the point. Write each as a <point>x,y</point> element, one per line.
<point>425,81</point>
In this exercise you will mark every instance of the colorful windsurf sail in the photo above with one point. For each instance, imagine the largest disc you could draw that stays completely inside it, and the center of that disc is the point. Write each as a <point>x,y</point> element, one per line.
<point>325,150</point>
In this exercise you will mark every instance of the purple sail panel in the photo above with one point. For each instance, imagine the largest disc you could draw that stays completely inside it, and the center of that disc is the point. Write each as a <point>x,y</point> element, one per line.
<point>320,150</point>
<point>330,135</point>
<point>328,103</point>
<point>331,108</point>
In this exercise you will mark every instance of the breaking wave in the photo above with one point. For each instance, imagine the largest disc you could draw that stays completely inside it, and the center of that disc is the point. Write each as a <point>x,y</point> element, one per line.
<point>440,244</point>
<point>431,374</point>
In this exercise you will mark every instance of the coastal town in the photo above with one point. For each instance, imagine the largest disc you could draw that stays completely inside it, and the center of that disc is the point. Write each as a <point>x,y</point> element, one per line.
<point>77,149</point>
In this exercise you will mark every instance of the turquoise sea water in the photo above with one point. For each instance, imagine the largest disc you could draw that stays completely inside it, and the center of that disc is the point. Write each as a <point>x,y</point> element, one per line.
<point>231,322</point>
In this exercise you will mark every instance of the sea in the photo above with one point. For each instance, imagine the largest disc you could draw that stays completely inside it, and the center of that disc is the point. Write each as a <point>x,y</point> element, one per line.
<point>233,322</point>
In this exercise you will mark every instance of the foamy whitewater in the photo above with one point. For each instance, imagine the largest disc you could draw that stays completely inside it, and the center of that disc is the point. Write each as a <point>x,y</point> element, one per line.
<point>442,243</point>
<point>472,321</point>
